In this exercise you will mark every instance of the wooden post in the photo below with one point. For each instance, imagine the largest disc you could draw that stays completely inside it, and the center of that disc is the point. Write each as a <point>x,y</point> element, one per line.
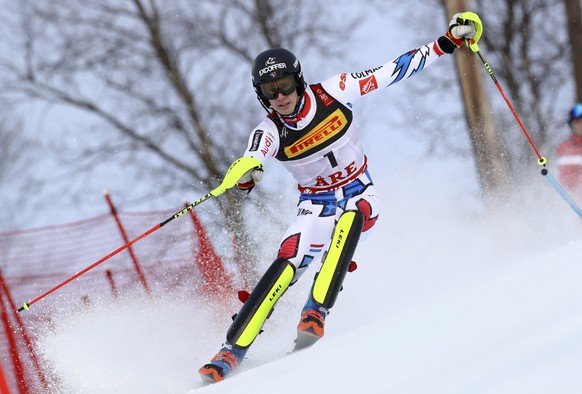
<point>574,21</point>
<point>487,147</point>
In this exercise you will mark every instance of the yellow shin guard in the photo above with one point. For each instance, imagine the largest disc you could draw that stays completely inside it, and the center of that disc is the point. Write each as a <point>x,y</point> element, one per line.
<point>330,277</point>
<point>251,317</point>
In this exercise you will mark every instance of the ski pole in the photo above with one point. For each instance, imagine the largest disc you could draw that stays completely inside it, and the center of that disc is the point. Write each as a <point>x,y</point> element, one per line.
<point>236,170</point>
<point>542,161</point>
<point>562,192</point>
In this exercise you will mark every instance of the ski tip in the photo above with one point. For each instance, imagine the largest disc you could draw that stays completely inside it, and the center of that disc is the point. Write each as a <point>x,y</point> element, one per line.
<point>211,373</point>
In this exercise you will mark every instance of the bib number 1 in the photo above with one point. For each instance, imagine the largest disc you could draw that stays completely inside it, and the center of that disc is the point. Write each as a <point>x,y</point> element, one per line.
<point>332,159</point>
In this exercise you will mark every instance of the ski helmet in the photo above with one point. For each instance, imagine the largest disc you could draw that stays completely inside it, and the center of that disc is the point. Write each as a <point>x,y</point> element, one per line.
<point>274,64</point>
<point>575,113</point>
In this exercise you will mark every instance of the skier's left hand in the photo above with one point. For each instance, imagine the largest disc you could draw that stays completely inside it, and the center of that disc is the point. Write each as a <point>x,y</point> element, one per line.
<point>464,26</point>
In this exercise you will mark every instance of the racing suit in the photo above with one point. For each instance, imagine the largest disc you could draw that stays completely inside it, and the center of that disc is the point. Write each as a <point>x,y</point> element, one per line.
<point>321,148</point>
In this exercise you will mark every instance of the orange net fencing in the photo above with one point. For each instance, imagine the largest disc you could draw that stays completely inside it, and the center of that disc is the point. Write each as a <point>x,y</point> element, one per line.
<point>34,261</point>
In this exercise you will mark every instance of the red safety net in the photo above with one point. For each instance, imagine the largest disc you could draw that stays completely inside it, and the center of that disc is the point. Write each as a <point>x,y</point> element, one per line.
<point>34,261</point>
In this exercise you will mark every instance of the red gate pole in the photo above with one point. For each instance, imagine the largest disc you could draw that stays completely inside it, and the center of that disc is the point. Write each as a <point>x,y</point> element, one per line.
<point>126,240</point>
<point>216,280</point>
<point>4,389</point>
<point>111,281</point>
<point>23,332</point>
<point>16,363</point>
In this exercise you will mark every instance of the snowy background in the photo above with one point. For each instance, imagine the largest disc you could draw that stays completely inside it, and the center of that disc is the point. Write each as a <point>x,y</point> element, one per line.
<point>448,297</point>
<point>445,300</point>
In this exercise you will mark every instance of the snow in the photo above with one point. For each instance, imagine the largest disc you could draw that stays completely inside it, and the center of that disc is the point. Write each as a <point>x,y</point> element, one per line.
<point>444,300</point>
<point>448,297</point>
<point>512,329</point>
<point>514,332</point>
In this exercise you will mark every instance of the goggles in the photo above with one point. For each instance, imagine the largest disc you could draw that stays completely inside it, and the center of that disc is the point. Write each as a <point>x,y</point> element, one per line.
<point>575,113</point>
<point>285,85</point>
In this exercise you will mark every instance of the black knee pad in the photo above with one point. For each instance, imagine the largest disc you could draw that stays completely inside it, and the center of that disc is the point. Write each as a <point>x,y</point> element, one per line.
<point>330,277</point>
<point>251,317</point>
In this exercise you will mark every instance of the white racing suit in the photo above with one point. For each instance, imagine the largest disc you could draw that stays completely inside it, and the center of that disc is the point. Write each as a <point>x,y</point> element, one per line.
<point>321,148</point>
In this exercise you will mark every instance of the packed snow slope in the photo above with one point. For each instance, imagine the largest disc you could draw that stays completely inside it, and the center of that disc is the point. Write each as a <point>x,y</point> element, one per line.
<point>517,330</point>
<point>448,298</point>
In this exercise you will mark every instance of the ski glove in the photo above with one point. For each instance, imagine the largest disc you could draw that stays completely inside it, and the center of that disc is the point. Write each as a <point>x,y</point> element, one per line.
<point>464,26</point>
<point>249,179</point>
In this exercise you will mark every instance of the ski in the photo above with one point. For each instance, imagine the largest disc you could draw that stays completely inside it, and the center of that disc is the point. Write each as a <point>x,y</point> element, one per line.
<point>304,340</point>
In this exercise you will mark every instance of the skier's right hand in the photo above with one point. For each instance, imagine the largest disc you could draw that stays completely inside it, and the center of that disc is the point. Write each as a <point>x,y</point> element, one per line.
<point>249,179</point>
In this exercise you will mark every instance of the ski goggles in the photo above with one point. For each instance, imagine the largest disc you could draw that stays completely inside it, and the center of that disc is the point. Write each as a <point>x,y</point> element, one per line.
<point>575,113</point>
<point>285,85</point>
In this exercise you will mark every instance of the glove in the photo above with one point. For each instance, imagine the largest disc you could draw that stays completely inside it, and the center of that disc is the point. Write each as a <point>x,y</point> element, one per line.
<point>249,179</point>
<point>460,29</point>
<point>236,170</point>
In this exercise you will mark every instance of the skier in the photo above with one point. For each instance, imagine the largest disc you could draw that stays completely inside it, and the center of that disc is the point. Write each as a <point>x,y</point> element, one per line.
<point>569,155</point>
<point>310,130</point>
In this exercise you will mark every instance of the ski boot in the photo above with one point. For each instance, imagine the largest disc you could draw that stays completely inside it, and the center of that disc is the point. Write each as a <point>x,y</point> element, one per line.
<point>310,327</point>
<point>222,365</point>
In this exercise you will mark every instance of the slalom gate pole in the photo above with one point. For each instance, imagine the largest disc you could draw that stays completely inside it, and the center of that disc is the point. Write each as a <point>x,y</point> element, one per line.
<point>125,238</point>
<point>23,333</point>
<point>542,161</point>
<point>3,382</point>
<point>116,251</point>
<point>236,170</point>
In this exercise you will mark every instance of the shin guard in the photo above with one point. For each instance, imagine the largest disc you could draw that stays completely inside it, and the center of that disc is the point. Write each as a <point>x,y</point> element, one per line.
<point>248,322</point>
<point>330,277</point>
